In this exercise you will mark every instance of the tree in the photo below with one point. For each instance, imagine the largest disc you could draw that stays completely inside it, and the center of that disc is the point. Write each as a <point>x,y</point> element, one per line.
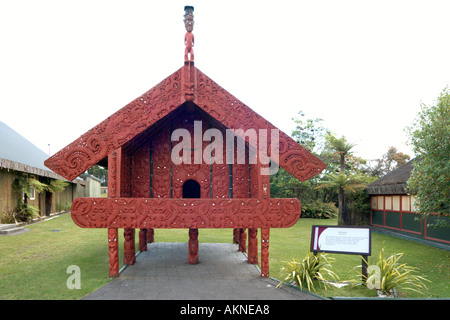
<point>430,138</point>
<point>99,172</point>
<point>391,160</point>
<point>310,133</point>
<point>341,147</point>
<point>340,180</point>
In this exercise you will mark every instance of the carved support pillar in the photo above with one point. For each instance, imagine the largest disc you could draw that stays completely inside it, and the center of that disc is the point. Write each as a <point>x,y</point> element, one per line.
<point>113,246</point>
<point>236,235</point>
<point>193,246</point>
<point>129,247</point>
<point>143,240</point>
<point>242,240</point>
<point>113,237</point>
<point>150,235</point>
<point>265,252</point>
<point>252,246</point>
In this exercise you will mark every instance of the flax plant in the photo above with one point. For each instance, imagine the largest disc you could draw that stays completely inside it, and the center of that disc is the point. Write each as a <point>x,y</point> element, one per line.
<point>389,274</point>
<point>312,269</point>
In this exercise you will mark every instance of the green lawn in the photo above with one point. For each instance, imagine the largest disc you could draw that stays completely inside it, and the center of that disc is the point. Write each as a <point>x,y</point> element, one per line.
<point>33,265</point>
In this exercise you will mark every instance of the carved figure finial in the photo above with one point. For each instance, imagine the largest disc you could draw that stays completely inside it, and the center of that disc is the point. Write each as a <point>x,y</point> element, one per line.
<point>189,37</point>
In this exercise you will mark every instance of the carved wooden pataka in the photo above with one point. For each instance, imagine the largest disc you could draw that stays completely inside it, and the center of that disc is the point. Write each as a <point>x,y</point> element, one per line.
<point>149,188</point>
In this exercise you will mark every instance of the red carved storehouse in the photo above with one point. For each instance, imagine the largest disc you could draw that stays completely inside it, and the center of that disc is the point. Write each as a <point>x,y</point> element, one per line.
<point>147,189</point>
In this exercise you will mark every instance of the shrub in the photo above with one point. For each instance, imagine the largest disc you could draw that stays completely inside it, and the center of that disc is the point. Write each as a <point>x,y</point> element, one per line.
<point>308,272</point>
<point>389,273</point>
<point>319,210</point>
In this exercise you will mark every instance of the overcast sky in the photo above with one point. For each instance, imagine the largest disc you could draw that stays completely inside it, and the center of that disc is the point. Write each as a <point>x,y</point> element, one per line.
<point>364,67</point>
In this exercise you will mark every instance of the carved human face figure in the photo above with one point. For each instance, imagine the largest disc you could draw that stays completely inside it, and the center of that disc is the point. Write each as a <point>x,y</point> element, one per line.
<point>189,18</point>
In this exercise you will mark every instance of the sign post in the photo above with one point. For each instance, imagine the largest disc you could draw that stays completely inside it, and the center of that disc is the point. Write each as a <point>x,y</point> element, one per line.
<point>344,240</point>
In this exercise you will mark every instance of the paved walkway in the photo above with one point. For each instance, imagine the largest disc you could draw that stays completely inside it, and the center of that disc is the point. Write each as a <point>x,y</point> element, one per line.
<point>162,273</point>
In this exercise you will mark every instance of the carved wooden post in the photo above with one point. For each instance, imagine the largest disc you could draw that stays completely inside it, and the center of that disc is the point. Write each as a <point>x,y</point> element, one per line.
<point>265,252</point>
<point>113,246</point>
<point>150,235</point>
<point>193,246</point>
<point>236,235</point>
<point>129,249</point>
<point>264,193</point>
<point>242,240</point>
<point>252,246</point>
<point>189,37</point>
<point>113,239</point>
<point>143,240</point>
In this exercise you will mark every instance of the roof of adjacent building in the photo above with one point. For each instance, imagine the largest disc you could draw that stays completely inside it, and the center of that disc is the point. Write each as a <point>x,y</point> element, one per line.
<point>18,153</point>
<point>394,182</point>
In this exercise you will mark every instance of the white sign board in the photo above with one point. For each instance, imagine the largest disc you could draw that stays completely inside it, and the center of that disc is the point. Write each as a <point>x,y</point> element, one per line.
<point>341,239</point>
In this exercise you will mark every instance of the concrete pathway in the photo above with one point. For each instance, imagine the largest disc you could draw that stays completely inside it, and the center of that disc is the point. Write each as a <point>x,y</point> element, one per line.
<point>162,273</point>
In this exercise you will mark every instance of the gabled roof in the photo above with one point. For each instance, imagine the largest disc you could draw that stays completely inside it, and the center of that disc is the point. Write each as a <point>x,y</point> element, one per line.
<point>394,182</point>
<point>18,153</point>
<point>186,84</point>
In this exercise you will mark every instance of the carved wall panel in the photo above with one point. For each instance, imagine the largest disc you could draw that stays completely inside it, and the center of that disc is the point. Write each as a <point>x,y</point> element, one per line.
<point>241,179</point>
<point>221,175</point>
<point>200,172</point>
<point>141,172</point>
<point>161,180</point>
<point>125,175</point>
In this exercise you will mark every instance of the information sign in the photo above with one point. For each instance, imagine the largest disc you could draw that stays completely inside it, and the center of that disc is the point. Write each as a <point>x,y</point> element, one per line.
<point>341,239</point>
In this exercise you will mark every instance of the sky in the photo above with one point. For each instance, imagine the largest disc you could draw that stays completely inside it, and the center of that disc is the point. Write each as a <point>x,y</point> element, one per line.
<point>364,67</point>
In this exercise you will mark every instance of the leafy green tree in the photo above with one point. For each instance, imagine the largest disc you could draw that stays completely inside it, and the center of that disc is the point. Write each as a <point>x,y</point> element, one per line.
<point>310,133</point>
<point>430,138</point>
<point>344,172</point>
<point>391,160</point>
<point>99,172</point>
<point>339,180</point>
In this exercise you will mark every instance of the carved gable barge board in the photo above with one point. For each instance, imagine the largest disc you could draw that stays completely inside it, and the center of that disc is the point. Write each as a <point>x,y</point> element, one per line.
<point>118,129</point>
<point>157,103</point>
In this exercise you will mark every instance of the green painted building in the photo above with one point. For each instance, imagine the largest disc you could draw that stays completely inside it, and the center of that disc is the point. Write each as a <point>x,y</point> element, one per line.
<point>393,208</point>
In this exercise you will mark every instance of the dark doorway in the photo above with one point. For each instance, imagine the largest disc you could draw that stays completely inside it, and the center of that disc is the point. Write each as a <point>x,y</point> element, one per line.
<point>191,189</point>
